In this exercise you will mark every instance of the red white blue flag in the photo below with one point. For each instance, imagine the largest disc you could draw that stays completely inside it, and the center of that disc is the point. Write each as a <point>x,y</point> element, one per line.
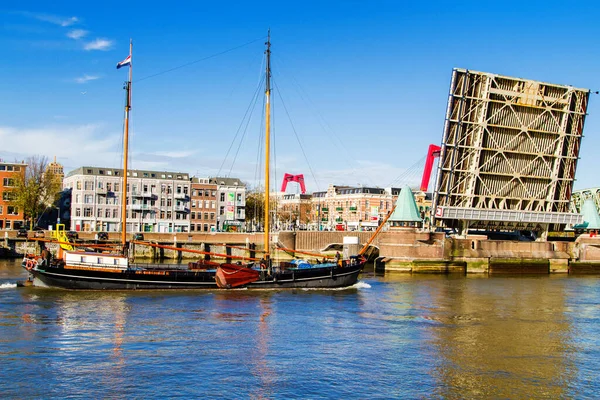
<point>124,63</point>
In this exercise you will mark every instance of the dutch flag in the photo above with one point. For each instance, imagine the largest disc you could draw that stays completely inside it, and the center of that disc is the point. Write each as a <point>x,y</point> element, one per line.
<point>124,63</point>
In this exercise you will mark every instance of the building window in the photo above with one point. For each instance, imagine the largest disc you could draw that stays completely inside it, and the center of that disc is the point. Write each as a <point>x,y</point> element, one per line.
<point>205,227</point>
<point>193,203</point>
<point>212,216</point>
<point>1,210</point>
<point>222,197</point>
<point>107,213</point>
<point>9,182</point>
<point>78,212</point>
<point>12,210</point>
<point>115,213</point>
<point>239,197</point>
<point>87,212</point>
<point>99,213</point>
<point>205,215</point>
<point>193,215</point>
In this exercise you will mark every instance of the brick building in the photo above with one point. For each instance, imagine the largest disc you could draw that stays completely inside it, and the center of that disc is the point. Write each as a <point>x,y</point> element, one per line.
<point>10,216</point>
<point>203,217</point>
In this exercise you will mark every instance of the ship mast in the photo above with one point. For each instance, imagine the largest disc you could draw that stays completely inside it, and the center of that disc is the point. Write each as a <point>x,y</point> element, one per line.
<point>127,88</point>
<point>267,141</point>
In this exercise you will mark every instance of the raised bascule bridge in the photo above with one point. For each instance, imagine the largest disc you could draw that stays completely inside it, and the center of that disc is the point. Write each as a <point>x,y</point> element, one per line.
<point>509,154</point>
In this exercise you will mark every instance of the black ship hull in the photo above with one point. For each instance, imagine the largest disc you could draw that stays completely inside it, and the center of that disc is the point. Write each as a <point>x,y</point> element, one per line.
<point>138,279</point>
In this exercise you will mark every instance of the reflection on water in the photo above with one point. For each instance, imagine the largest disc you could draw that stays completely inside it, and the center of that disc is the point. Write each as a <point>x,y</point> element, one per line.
<point>393,336</point>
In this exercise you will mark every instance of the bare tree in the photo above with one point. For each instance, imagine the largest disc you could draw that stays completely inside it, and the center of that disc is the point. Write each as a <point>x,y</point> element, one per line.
<point>37,189</point>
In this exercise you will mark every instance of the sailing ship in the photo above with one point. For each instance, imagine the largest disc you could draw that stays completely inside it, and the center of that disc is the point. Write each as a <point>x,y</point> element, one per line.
<point>91,269</point>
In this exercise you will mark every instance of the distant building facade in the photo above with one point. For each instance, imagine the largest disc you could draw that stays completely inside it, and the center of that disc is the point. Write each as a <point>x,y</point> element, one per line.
<point>203,217</point>
<point>10,215</point>
<point>231,203</point>
<point>352,208</point>
<point>344,208</point>
<point>293,210</point>
<point>157,201</point>
<point>56,169</point>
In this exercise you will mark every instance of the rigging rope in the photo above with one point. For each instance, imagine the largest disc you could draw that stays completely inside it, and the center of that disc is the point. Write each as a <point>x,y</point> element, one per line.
<point>200,60</point>
<point>295,133</point>
<point>412,175</point>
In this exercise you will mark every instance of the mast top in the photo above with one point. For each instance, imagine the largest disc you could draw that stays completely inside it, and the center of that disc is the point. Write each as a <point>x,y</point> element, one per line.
<point>268,53</point>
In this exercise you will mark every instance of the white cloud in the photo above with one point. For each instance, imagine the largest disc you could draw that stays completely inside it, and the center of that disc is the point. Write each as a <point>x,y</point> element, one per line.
<point>53,19</point>
<point>77,33</point>
<point>98,44</point>
<point>88,144</point>
<point>86,78</point>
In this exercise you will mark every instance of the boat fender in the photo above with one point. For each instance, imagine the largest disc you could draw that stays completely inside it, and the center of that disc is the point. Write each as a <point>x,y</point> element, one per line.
<point>30,264</point>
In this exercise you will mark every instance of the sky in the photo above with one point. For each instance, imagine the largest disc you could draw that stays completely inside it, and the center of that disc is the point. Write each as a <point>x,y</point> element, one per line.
<point>359,88</point>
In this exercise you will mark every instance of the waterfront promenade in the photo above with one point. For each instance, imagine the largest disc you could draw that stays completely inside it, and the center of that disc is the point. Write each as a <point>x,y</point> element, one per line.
<point>402,250</point>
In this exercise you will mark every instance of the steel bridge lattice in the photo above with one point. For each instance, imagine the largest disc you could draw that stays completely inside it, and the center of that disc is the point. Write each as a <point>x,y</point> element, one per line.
<point>509,144</point>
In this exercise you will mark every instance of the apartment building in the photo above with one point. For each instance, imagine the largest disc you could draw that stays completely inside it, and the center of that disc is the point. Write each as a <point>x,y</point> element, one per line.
<point>293,210</point>
<point>10,215</point>
<point>203,217</point>
<point>157,201</point>
<point>231,203</point>
<point>351,208</point>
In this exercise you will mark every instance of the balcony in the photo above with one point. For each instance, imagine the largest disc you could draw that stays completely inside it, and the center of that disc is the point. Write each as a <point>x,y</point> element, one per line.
<point>353,209</point>
<point>140,207</point>
<point>325,209</point>
<point>182,196</point>
<point>104,192</point>
<point>339,209</point>
<point>339,219</point>
<point>324,219</point>
<point>181,209</point>
<point>145,195</point>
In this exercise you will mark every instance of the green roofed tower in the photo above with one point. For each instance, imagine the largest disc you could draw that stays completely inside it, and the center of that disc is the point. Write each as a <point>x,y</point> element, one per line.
<point>406,212</point>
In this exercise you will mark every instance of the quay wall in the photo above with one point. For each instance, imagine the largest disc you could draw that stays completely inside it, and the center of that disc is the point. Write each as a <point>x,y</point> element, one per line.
<point>401,250</point>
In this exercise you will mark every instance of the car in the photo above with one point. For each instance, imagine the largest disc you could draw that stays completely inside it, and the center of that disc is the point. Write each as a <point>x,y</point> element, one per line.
<point>72,235</point>
<point>102,236</point>
<point>138,236</point>
<point>22,232</point>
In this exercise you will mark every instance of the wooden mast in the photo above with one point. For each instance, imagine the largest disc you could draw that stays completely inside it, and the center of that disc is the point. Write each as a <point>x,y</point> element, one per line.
<point>126,154</point>
<point>267,142</point>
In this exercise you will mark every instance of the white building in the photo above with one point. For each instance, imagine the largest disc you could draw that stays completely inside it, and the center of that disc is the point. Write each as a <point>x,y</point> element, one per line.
<point>157,201</point>
<point>231,202</point>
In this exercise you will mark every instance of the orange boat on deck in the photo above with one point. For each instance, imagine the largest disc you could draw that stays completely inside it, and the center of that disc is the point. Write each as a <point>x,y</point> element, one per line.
<point>230,276</point>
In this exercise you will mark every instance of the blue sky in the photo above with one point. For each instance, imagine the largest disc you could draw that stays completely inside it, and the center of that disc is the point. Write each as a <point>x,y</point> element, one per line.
<point>365,83</point>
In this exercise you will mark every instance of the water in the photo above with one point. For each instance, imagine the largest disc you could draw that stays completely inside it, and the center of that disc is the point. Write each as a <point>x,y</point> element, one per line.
<point>397,336</point>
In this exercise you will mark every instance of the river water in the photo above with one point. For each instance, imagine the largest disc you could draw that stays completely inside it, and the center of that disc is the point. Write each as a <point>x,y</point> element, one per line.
<point>393,336</point>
